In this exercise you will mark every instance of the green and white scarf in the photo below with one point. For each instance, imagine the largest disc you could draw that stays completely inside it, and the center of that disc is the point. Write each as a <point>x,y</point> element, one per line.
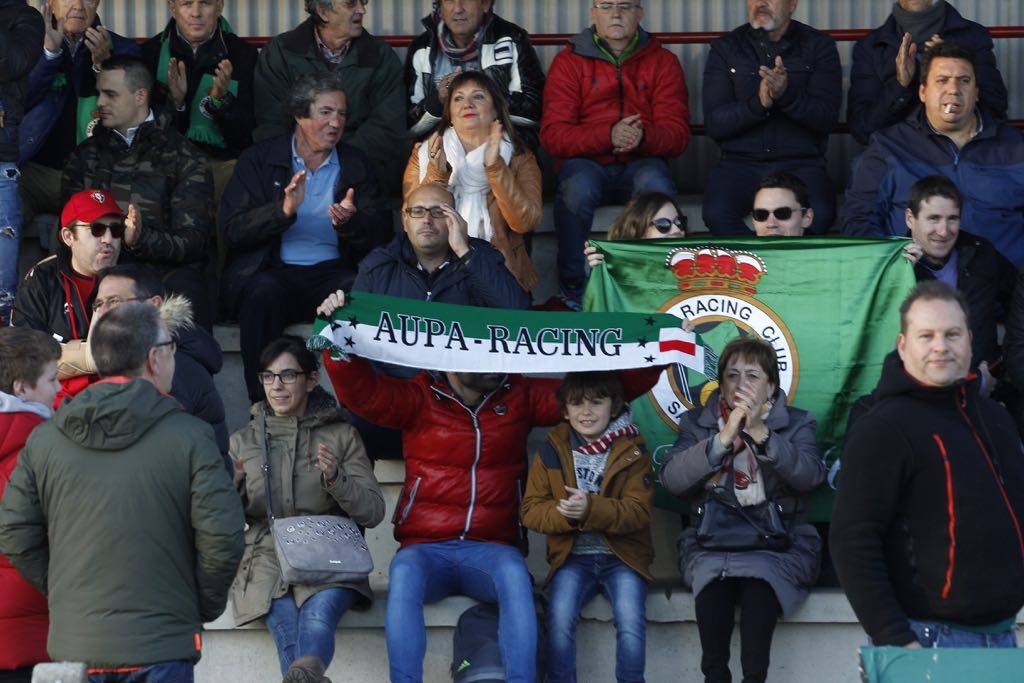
<point>201,128</point>
<point>451,338</point>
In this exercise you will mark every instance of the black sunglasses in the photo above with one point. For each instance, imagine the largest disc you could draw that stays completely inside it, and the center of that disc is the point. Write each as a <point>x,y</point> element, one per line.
<point>664,225</point>
<point>783,213</point>
<point>100,229</point>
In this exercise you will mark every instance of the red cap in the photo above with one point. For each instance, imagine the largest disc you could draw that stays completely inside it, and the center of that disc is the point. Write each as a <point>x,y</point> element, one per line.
<point>88,205</point>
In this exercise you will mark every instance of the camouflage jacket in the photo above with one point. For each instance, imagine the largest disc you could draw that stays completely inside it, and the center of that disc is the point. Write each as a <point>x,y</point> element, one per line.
<point>165,176</point>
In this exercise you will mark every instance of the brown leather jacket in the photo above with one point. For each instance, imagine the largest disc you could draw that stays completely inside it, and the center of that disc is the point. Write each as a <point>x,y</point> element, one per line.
<point>515,204</point>
<point>621,512</point>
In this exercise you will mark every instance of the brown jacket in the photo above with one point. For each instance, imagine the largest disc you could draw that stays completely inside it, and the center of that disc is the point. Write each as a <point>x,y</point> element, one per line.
<point>293,445</point>
<point>515,204</point>
<point>621,512</point>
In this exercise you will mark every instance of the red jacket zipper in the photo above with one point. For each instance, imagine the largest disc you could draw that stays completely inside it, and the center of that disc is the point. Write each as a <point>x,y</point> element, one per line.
<point>961,404</point>
<point>951,562</point>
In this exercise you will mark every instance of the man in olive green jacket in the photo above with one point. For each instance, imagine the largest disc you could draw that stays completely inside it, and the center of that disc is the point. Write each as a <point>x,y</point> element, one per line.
<point>333,39</point>
<point>120,511</point>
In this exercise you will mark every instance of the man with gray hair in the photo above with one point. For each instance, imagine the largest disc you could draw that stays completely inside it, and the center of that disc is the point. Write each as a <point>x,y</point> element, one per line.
<point>333,40</point>
<point>121,513</point>
<point>298,215</point>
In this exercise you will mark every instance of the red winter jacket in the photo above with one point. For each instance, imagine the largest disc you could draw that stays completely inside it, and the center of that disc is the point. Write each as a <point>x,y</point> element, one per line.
<point>587,94</point>
<point>465,469</point>
<point>24,616</point>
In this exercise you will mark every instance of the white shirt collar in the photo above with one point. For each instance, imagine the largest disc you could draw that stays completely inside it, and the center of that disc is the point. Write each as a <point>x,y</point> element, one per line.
<point>129,135</point>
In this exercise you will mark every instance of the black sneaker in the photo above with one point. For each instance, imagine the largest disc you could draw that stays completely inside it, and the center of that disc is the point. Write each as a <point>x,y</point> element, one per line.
<point>306,670</point>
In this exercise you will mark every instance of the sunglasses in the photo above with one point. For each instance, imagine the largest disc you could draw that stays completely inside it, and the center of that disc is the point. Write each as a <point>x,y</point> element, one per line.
<point>664,225</point>
<point>783,213</point>
<point>100,229</point>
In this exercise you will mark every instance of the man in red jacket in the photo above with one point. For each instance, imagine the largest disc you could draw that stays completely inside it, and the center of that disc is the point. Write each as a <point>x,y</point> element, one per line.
<point>28,386</point>
<point>457,519</point>
<point>615,107</point>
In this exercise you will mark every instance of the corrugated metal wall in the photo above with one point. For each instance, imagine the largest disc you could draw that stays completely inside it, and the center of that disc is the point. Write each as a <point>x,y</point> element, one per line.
<point>402,17</point>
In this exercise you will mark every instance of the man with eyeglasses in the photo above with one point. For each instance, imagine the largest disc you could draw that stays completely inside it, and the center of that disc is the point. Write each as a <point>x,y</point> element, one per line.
<point>432,259</point>
<point>782,206</point>
<point>197,355</point>
<point>772,92</point>
<point>334,39</point>
<point>615,109</point>
<point>120,511</point>
<point>466,35</point>
<point>57,294</point>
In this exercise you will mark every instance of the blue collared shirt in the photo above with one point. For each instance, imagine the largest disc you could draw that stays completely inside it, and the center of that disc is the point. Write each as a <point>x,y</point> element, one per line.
<point>312,238</point>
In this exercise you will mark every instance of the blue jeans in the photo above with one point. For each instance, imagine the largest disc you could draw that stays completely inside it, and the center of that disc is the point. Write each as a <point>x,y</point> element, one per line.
<point>488,572</point>
<point>177,671</point>
<point>10,237</point>
<point>583,186</point>
<point>309,630</point>
<point>574,584</point>
<point>932,634</point>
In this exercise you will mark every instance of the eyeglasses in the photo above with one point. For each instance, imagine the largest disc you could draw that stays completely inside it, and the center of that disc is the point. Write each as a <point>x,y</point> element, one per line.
<point>421,211</point>
<point>100,229</point>
<point>783,213</point>
<point>624,6</point>
<point>286,376</point>
<point>664,225</point>
<point>113,301</point>
<point>170,343</point>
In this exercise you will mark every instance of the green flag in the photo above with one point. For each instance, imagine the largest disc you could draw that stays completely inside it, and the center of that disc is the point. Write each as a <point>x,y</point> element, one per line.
<point>828,306</point>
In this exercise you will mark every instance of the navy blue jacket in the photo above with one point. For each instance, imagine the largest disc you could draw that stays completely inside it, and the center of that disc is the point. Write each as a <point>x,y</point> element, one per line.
<point>21,38</point>
<point>989,170</point>
<point>799,123</point>
<point>878,100</point>
<point>196,361</point>
<point>479,278</point>
<point>252,217</point>
<point>48,95</point>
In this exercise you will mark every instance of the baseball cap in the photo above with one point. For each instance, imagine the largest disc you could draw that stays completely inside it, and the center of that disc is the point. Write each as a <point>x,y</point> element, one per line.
<point>88,205</point>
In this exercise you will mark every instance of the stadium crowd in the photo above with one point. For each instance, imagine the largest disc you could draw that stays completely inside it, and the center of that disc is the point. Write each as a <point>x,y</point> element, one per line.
<point>196,179</point>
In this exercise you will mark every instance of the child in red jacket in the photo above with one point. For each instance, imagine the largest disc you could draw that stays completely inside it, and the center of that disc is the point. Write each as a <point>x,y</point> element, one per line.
<point>28,386</point>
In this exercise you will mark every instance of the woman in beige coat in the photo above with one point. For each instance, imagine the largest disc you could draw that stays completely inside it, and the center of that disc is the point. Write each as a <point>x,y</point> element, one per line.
<point>318,466</point>
<point>495,179</point>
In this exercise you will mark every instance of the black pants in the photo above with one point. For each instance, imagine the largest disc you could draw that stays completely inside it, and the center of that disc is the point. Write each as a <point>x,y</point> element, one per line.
<point>759,612</point>
<point>16,675</point>
<point>274,299</point>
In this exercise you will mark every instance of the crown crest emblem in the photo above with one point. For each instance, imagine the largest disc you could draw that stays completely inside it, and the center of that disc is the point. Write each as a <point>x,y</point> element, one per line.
<point>709,268</point>
<point>98,197</point>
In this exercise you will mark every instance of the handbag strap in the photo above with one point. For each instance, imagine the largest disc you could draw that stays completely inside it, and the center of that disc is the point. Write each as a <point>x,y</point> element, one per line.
<point>719,493</point>
<point>266,469</point>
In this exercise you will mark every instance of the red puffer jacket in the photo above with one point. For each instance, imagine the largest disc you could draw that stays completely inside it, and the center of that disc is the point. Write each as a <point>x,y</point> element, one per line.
<point>587,94</point>
<point>24,616</point>
<point>465,468</point>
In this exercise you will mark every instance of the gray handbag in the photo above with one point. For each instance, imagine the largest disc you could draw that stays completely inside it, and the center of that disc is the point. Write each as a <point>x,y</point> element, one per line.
<point>315,549</point>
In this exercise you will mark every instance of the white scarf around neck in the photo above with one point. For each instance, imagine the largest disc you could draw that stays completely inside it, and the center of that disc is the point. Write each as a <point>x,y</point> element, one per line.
<point>468,180</point>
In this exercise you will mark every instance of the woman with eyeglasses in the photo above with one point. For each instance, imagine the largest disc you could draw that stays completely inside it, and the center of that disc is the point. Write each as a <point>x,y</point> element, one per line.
<point>495,179</point>
<point>648,216</point>
<point>318,466</point>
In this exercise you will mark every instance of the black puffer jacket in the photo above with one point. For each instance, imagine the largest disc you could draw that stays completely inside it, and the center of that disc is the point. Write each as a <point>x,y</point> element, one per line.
<point>927,522</point>
<point>506,55</point>
<point>21,43</point>
<point>48,301</point>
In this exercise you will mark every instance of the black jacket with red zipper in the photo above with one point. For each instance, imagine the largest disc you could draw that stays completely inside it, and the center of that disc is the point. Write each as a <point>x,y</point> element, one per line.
<point>48,301</point>
<point>927,521</point>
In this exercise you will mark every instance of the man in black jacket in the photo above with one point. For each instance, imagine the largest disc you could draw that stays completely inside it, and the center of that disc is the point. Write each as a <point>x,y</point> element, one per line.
<point>772,93</point>
<point>971,264</point>
<point>21,36</point>
<point>197,356</point>
<point>884,76</point>
<point>299,214</point>
<point>468,36</point>
<point>926,533</point>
